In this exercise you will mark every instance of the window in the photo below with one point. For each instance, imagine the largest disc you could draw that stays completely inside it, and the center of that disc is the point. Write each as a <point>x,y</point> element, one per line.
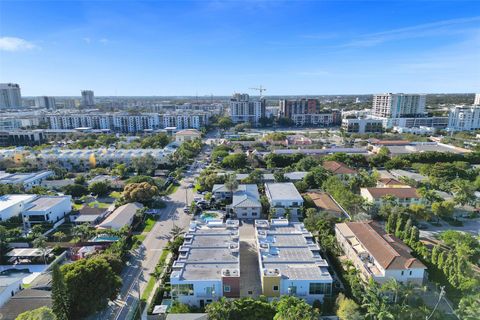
<point>320,288</point>
<point>292,290</point>
<point>403,273</point>
<point>410,273</point>
<point>294,204</point>
<point>227,288</point>
<point>184,289</point>
<point>275,288</point>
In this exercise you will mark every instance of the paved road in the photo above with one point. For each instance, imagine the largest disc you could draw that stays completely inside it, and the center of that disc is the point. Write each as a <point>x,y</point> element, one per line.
<point>469,225</point>
<point>249,285</point>
<point>144,260</point>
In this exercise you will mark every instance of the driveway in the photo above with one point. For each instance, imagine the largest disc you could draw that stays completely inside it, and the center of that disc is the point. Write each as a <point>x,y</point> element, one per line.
<point>250,285</point>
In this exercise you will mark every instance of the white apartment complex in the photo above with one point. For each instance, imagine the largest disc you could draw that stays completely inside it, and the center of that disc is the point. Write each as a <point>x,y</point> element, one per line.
<point>290,261</point>
<point>243,109</point>
<point>10,96</point>
<point>88,99</point>
<point>208,265</point>
<point>398,105</point>
<point>27,180</point>
<point>464,118</point>
<point>362,126</point>
<point>11,205</point>
<point>127,123</point>
<point>378,255</point>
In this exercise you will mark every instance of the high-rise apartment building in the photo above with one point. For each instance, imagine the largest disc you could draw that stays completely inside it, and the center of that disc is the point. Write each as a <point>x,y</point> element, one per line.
<point>398,105</point>
<point>244,109</point>
<point>477,99</point>
<point>464,118</point>
<point>44,102</point>
<point>10,96</point>
<point>88,98</point>
<point>309,112</point>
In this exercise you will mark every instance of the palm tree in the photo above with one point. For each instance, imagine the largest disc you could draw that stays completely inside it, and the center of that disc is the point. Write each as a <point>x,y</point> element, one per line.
<point>231,183</point>
<point>394,287</point>
<point>176,231</point>
<point>59,236</point>
<point>82,231</point>
<point>41,243</point>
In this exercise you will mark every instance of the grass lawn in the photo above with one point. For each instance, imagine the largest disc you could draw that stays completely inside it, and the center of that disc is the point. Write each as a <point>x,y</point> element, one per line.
<point>115,194</point>
<point>171,189</point>
<point>149,223</point>
<point>151,282</point>
<point>101,205</point>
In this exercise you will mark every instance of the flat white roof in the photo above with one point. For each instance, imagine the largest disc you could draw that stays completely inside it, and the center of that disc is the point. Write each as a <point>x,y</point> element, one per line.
<point>282,191</point>
<point>9,200</point>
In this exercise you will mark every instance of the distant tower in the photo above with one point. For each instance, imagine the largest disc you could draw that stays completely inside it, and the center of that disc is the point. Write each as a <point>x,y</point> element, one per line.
<point>44,102</point>
<point>10,96</point>
<point>88,98</point>
<point>477,98</point>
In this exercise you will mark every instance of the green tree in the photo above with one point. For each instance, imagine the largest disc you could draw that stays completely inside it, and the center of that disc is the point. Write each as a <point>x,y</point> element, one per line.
<point>90,283</point>
<point>60,302</point>
<point>82,232</point>
<point>231,183</point>
<point>140,192</point>
<point>100,188</point>
<point>178,307</point>
<point>464,192</point>
<point>347,309</point>
<point>224,122</point>
<point>75,190</point>
<point>144,165</point>
<point>157,141</point>
<point>469,307</point>
<point>293,308</point>
<point>376,304</point>
<point>41,243</point>
<point>42,313</point>
<point>235,161</point>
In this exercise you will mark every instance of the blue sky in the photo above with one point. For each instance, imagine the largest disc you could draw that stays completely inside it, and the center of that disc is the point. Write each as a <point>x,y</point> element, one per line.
<point>220,47</point>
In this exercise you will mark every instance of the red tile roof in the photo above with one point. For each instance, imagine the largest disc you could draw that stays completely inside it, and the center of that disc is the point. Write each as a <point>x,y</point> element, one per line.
<point>400,193</point>
<point>338,167</point>
<point>389,251</point>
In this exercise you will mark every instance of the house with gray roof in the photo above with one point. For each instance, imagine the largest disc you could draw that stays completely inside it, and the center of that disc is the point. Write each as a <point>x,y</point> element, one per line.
<point>246,202</point>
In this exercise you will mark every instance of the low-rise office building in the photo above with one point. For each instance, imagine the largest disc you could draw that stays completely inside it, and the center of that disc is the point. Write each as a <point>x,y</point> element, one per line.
<point>208,265</point>
<point>378,255</point>
<point>47,209</point>
<point>290,261</point>
<point>284,199</point>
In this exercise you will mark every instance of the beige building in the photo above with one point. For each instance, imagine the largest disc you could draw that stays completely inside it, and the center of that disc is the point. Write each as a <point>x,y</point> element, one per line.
<point>404,196</point>
<point>187,135</point>
<point>378,255</point>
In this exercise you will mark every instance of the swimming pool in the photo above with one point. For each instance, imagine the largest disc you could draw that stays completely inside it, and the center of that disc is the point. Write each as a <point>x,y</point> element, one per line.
<point>105,238</point>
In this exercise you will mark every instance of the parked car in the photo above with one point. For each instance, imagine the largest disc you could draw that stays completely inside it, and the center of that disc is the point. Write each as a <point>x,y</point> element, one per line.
<point>186,209</point>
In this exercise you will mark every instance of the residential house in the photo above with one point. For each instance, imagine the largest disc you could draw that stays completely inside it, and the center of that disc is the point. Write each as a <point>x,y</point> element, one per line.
<point>378,255</point>
<point>90,215</point>
<point>47,209</point>
<point>284,199</point>
<point>121,217</point>
<point>338,168</point>
<point>290,261</point>
<point>246,202</point>
<point>187,135</point>
<point>391,183</point>
<point>220,192</point>
<point>325,203</point>
<point>208,265</point>
<point>11,205</point>
<point>404,196</point>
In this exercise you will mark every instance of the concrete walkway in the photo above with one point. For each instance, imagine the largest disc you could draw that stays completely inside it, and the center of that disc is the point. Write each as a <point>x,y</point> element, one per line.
<point>250,285</point>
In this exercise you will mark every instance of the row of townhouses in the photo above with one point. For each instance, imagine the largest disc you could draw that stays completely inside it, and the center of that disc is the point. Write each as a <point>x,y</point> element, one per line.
<point>209,265</point>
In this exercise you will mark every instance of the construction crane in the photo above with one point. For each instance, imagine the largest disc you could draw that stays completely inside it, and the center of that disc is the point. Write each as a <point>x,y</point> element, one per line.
<point>259,89</point>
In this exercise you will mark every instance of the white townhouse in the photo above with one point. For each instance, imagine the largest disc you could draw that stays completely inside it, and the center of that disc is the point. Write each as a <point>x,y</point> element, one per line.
<point>377,254</point>
<point>284,198</point>
<point>208,265</point>
<point>290,262</point>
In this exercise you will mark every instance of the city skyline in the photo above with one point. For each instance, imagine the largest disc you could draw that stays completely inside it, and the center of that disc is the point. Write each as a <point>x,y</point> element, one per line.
<point>202,47</point>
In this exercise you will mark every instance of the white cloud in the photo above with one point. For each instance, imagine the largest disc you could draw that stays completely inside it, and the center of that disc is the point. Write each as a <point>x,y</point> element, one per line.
<point>438,28</point>
<point>104,40</point>
<point>15,44</point>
